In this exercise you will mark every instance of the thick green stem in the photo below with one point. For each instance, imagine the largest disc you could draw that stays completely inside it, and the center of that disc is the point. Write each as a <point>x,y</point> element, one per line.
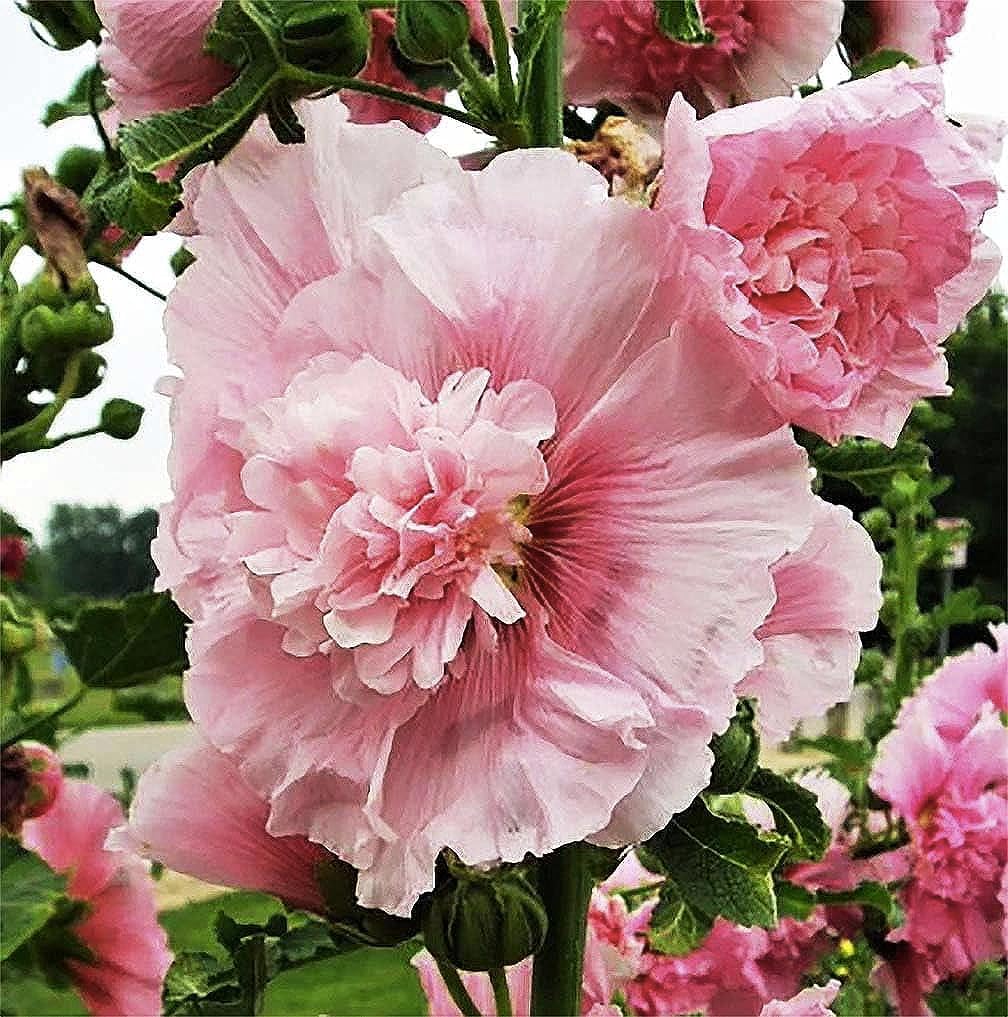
<point>905,547</point>
<point>502,994</point>
<point>458,992</point>
<point>501,56</point>
<point>565,885</point>
<point>544,94</point>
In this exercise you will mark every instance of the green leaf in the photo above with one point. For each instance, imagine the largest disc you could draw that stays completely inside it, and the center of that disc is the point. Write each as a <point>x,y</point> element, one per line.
<point>869,895</point>
<point>70,23</point>
<point>128,642</point>
<point>31,895</point>
<point>78,101</point>
<point>796,813</point>
<point>963,607</point>
<point>869,465</point>
<point>676,927</point>
<point>736,751</point>
<point>136,202</point>
<point>881,60</point>
<point>682,20</point>
<point>717,867</point>
<point>272,44</point>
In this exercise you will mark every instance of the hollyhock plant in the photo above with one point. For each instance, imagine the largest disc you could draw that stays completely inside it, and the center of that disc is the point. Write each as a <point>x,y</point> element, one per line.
<point>193,811</point>
<point>616,51</point>
<point>125,948</point>
<point>827,591</point>
<point>858,211</point>
<point>433,545</point>
<point>13,555</point>
<point>944,770</point>
<point>155,61</point>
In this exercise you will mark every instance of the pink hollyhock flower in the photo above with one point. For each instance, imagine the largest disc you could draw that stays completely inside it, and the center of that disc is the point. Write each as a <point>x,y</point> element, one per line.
<point>858,211</point>
<point>128,950</point>
<point>13,555</point>
<point>615,51</point>
<point>436,452</point>
<point>827,591</point>
<point>154,56</point>
<point>919,28</point>
<point>811,1002</point>
<point>944,769</point>
<point>194,812</point>
<point>32,777</point>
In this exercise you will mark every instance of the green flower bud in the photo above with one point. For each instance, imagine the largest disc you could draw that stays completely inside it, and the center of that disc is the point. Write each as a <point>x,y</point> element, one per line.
<point>736,752</point>
<point>431,31</point>
<point>77,166</point>
<point>877,522</point>
<point>70,23</point>
<point>482,920</point>
<point>48,330</point>
<point>120,418</point>
<point>326,36</point>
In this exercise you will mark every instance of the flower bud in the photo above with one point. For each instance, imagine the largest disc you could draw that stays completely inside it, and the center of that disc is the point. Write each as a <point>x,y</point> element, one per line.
<point>877,522</point>
<point>486,920</point>
<point>47,330</point>
<point>77,166</point>
<point>120,418</point>
<point>431,31</point>
<point>326,37</point>
<point>736,752</point>
<point>31,779</point>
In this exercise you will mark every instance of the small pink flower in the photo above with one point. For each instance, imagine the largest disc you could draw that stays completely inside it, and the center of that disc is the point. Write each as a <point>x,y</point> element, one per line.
<point>119,925</point>
<point>919,28</point>
<point>193,811</point>
<point>811,1002</point>
<point>944,769</point>
<point>417,452</point>
<point>615,51</point>
<point>858,212</point>
<point>32,779</point>
<point>153,55</point>
<point>13,555</point>
<point>827,591</point>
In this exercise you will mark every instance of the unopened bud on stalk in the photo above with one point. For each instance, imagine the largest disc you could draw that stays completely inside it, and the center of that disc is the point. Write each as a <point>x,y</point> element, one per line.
<point>31,779</point>
<point>431,31</point>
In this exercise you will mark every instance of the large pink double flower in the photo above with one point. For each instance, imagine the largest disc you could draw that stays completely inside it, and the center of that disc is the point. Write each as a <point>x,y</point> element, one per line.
<point>475,552</point>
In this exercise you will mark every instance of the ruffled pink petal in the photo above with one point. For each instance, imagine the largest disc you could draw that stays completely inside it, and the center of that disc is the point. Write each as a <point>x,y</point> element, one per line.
<point>827,591</point>
<point>194,812</point>
<point>679,458</point>
<point>811,1002</point>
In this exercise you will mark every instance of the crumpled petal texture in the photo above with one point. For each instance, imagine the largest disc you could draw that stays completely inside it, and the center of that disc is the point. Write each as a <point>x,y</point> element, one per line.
<point>827,591</point>
<point>944,769</point>
<point>858,213</point>
<point>449,502</point>
<point>614,50</point>
<point>120,927</point>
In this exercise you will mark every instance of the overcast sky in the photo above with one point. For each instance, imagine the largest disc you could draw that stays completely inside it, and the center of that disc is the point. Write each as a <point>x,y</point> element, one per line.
<point>132,474</point>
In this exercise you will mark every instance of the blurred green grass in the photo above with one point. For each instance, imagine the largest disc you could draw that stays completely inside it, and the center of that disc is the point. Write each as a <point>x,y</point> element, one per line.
<point>363,983</point>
